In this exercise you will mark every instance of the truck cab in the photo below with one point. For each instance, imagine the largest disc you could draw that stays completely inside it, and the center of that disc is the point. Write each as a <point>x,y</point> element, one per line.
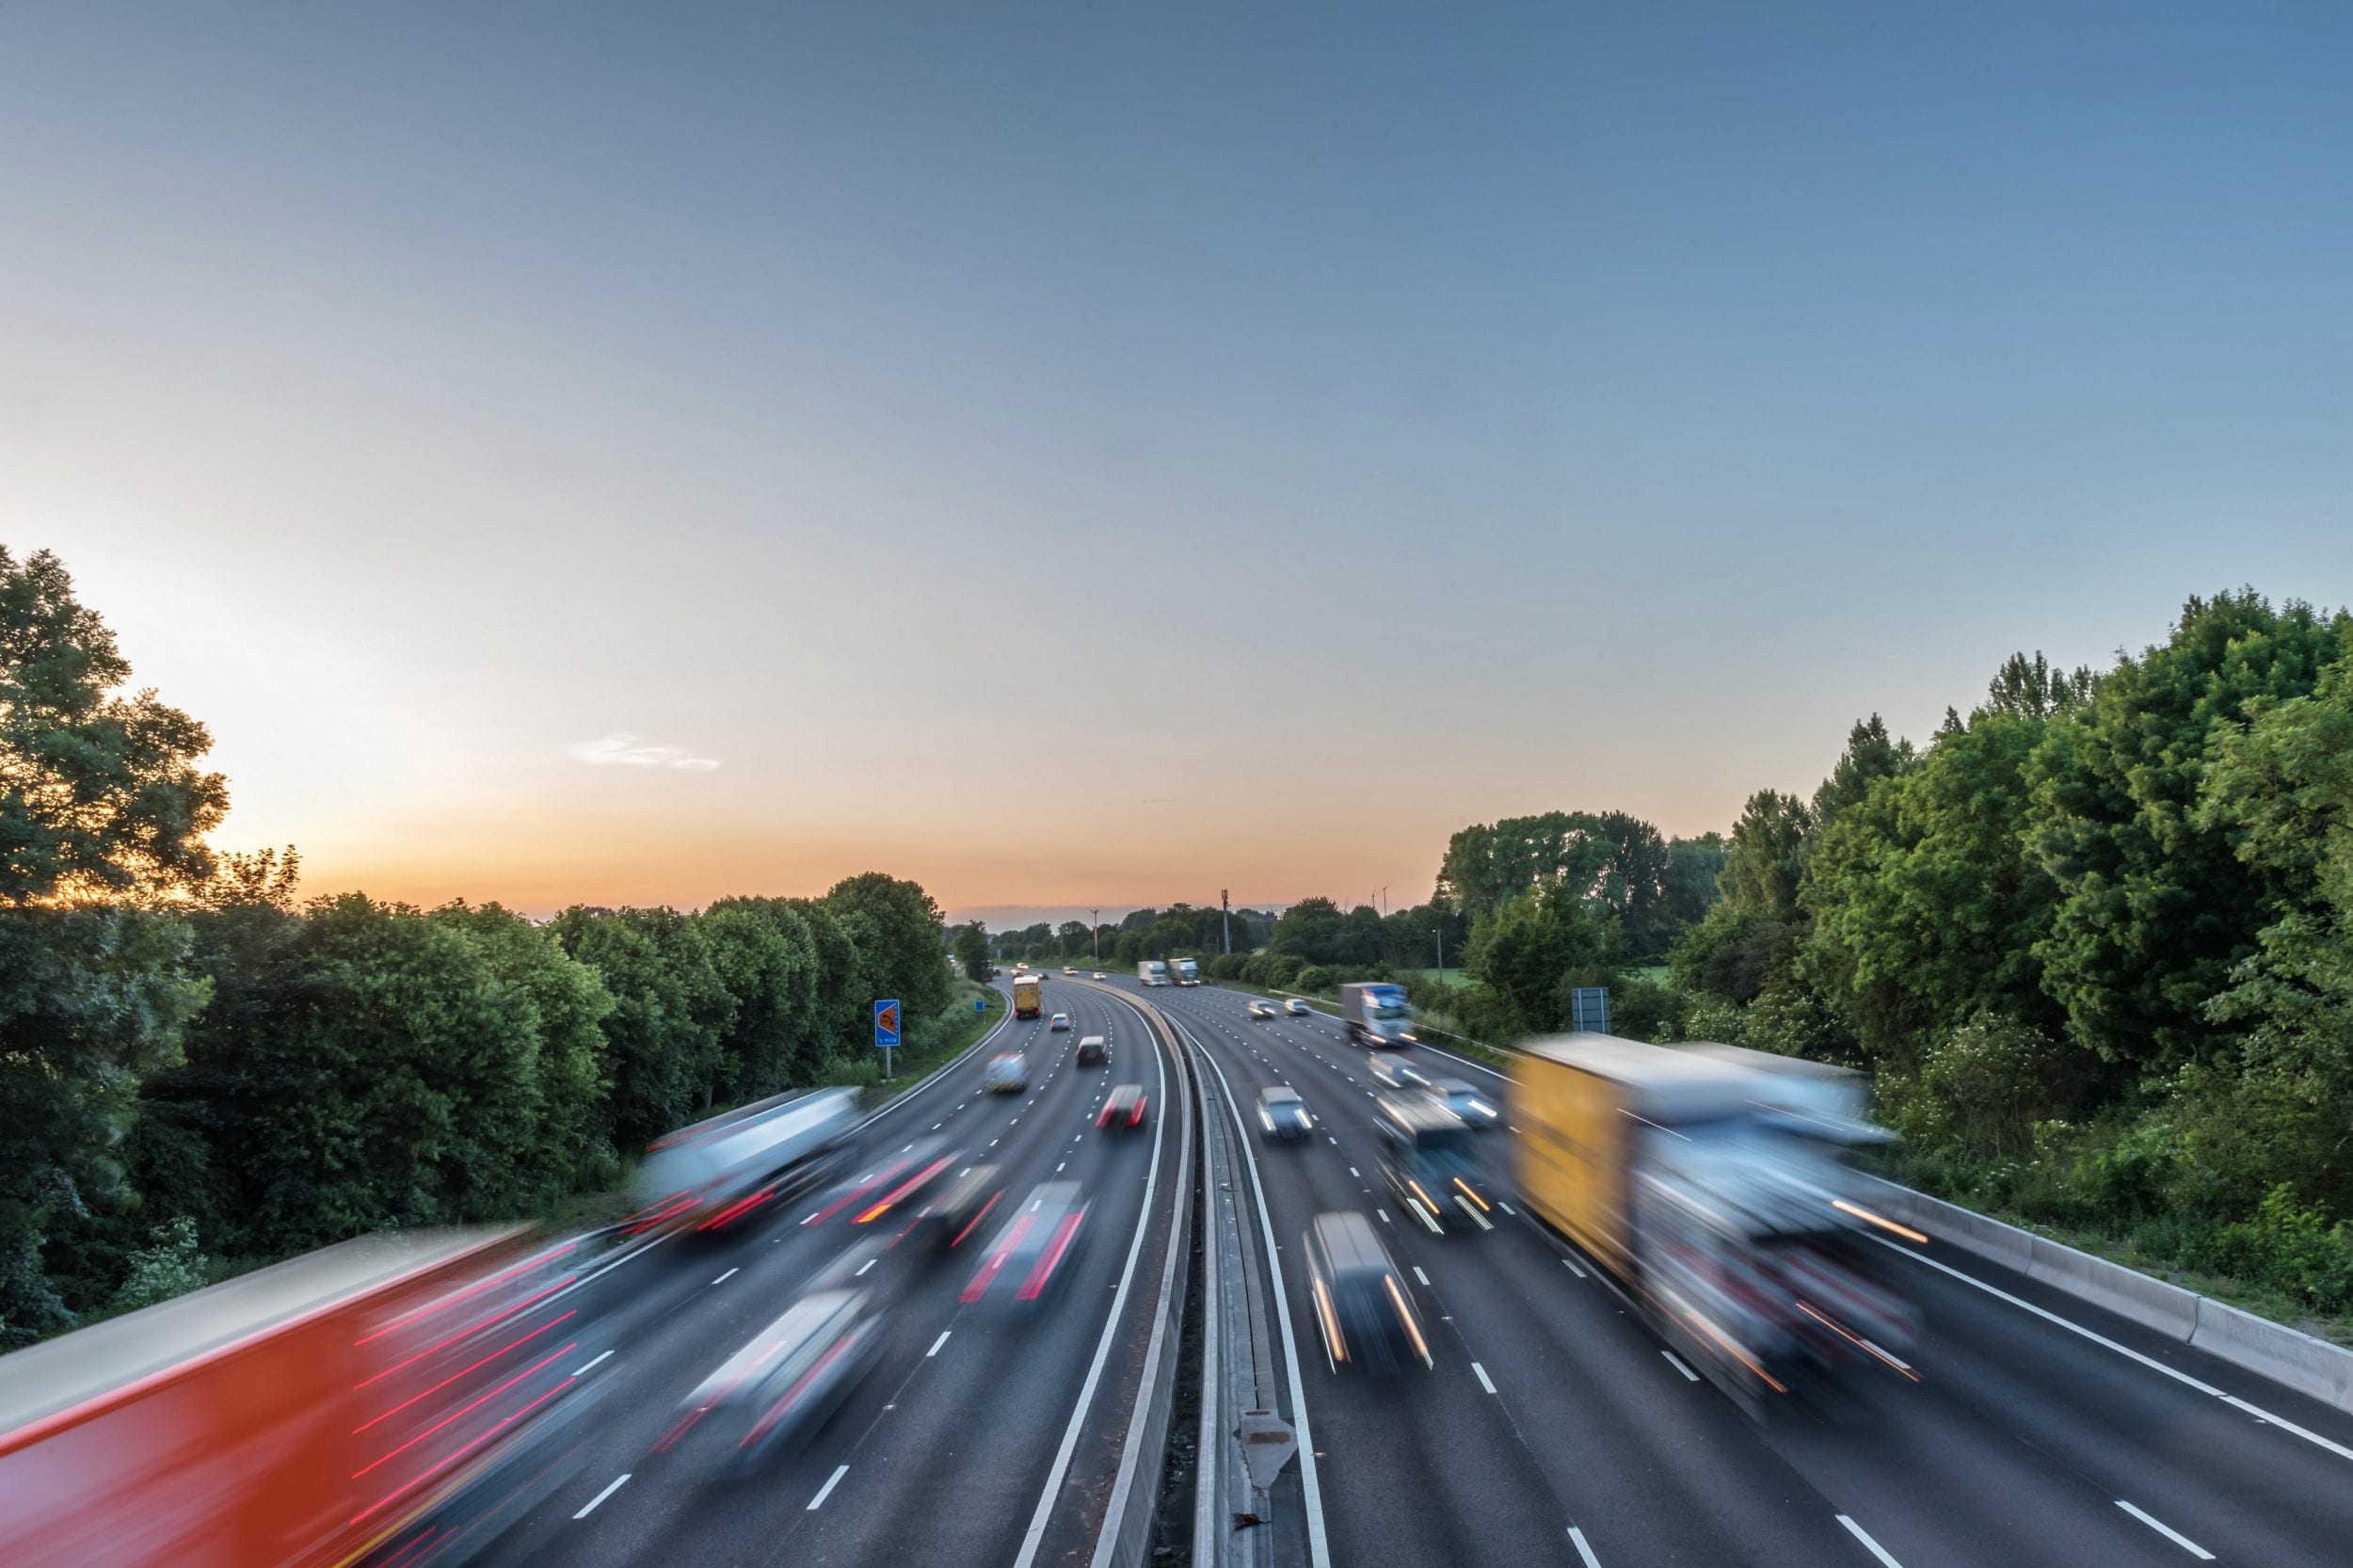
<point>1425,1157</point>
<point>1375,1014</point>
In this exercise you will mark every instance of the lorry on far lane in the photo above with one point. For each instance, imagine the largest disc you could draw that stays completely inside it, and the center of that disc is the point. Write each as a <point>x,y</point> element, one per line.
<point>1374,1012</point>
<point>1184,971</point>
<point>1153,971</point>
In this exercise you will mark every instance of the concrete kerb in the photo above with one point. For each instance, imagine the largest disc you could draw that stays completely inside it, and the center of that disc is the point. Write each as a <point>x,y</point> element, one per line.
<point>1129,1514</point>
<point>2294,1360</point>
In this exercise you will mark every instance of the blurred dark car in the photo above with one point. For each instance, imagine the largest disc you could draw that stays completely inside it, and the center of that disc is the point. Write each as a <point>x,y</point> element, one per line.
<point>1094,1050</point>
<point>1025,1260</point>
<point>1123,1108</point>
<point>1283,1115</point>
<point>1425,1157</point>
<point>1362,1308</point>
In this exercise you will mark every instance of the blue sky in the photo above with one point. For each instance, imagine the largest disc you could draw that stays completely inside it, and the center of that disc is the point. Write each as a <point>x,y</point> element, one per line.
<point>1333,428</point>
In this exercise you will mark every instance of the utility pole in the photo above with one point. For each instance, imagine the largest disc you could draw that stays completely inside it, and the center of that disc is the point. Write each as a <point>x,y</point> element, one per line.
<point>1094,925</point>
<point>1226,916</point>
<point>1440,938</point>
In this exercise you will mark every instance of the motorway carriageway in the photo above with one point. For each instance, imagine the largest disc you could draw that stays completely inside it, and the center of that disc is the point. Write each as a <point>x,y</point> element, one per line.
<point>970,1442</point>
<point>1556,1428</point>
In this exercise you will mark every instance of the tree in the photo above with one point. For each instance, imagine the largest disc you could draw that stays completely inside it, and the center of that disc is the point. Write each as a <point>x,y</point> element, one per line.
<point>1766,861</point>
<point>896,927</point>
<point>1693,865</point>
<point>2156,907</point>
<point>1071,939</point>
<point>92,999</point>
<point>1869,757</point>
<point>1533,950</point>
<point>671,1009</point>
<point>971,947</point>
<point>100,794</point>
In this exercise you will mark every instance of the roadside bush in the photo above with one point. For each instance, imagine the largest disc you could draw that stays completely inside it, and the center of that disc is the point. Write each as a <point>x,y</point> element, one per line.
<point>2288,1246</point>
<point>1274,970</point>
<point>172,1267</point>
<point>1225,966</point>
<point>1645,1010</point>
<point>1314,977</point>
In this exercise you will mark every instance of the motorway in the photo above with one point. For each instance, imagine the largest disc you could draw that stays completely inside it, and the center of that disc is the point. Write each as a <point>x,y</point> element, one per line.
<point>979,1437</point>
<point>1555,1428</point>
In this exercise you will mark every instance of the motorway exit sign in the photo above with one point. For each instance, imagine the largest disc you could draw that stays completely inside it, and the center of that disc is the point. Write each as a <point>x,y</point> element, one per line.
<point>886,1023</point>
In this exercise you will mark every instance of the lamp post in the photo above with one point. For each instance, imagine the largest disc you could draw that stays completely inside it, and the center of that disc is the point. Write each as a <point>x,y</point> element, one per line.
<point>1094,925</point>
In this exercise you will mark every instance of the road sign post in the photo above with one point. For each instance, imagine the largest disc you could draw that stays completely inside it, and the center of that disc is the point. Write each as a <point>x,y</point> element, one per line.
<point>1589,1010</point>
<point>887,1031</point>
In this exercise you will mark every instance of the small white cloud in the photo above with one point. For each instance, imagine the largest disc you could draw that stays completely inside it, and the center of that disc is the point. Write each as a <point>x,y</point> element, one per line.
<point>630,751</point>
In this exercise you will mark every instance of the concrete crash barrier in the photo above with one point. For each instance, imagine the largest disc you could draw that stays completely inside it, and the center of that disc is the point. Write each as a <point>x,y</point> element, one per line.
<point>2303,1363</point>
<point>2311,1367</point>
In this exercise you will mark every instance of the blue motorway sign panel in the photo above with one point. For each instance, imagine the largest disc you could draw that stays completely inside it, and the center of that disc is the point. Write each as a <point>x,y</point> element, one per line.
<point>887,1022</point>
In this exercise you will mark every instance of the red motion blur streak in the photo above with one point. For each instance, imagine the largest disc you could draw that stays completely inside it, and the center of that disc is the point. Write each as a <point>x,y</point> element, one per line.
<point>905,1188</point>
<point>977,1218</point>
<point>465,1410</point>
<point>987,1276</point>
<point>454,1376</point>
<point>451,1462</point>
<point>475,1290</point>
<point>737,1210</point>
<point>1035,1284</point>
<point>475,1328</point>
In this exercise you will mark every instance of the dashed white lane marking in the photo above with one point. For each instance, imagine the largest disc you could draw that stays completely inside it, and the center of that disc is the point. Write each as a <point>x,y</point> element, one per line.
<point>934,1127</point>
<point>937,1343</point>
<point>831,1481</point>
<point>2192,1547</point>
<point>1676,1362</point>
<point>723,1278</point>
<point>1484,1381</point>
<point>602,1495</point>
<point>1869,1545</point>
<point>577,1372</point>
<point>1507,1209</point>
<point>1385,1216</point>
<point>1357,1173</point>
<point>1419,1275</point>
<point>910,1146</point>
<point>1585,1553</point>
<point>1572,1268</point>
<point>994,1142</point>
<point>863,1267</point>
<point>1058,1168</point>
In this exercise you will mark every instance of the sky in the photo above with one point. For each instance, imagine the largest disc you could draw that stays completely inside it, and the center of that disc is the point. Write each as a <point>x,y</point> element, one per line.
<point>1100,454</point>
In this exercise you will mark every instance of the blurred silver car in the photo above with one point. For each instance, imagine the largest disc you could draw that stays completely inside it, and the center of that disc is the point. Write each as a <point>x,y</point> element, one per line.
<point>1262,1010</point>
<point>1283,1113</point>
<point>1297,1008</point>
<point>770,1396</point>
<point>1392,1071</point>
<point>1476,1109</point>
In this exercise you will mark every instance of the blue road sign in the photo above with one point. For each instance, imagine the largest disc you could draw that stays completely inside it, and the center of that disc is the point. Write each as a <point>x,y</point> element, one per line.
<point>979,1004</point>
<point>1589,1010</point>
<point>886,1023</point>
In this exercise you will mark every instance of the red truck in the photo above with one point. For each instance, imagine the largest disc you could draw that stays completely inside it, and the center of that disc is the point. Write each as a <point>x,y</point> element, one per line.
<point>393,1398</point>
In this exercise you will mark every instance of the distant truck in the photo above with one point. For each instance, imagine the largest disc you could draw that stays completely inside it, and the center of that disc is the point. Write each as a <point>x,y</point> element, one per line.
<point>1184,971</point>
<point>392,1398</point>
<point>1025,996</point>
<point>1374,1012</point>
<point>1714,1182</point>
<point>1152,972</point>
<point>717,1172</point>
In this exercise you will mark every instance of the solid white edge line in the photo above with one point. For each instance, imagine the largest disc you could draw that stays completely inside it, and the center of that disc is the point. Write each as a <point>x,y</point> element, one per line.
<point>1676,1362</point>
<point>937,1343</point>
<point>823,1492</point>
<point>1311,1487</point>
<point>1585,1553</point>
<point>1869,1545</point>
<point>578,1371</point>
<point>1036,1535</point>
<point>1484,1381</point>
<point>602,1495</point>
<point>2126,1350</point>
<point>2192,1547</point>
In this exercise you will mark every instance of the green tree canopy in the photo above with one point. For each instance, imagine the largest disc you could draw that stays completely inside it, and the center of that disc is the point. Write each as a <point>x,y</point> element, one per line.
<point>100,794</point>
